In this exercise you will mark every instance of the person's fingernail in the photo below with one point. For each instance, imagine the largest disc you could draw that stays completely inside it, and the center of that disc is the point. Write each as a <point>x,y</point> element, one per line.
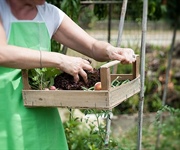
<point>133,56</point>
<point>76,79</point>
<point>89,61</point>
<point>92,70</point>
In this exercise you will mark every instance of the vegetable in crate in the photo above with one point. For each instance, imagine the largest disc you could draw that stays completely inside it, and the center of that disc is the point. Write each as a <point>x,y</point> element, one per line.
<point>97,86</point>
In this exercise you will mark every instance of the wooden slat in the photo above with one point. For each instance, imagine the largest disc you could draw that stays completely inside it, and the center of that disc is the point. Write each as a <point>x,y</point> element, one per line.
<point>136,67</point>
<point>110,64</point>
<point>62,98</point>
<point>123,92</point>
<point>121,76</point>
<point>101,2</point>
<point>25,79</point>
<point>105,74</point>
<point>105,78</point>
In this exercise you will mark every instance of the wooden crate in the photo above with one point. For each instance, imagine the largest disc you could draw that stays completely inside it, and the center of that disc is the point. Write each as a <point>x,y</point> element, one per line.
<point>107,98</point>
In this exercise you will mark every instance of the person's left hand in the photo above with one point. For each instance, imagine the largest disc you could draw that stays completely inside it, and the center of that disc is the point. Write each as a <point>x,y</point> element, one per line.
<point>124,55</point>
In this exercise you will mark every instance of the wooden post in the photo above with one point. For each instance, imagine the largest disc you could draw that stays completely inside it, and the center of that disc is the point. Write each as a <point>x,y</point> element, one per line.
<point>136,67</point>
<point>109,22</point>
<point>106,74</point>
<point>25,79</point>
<point>142,72</point>
<point>105,78</point>
<point>121,26</point>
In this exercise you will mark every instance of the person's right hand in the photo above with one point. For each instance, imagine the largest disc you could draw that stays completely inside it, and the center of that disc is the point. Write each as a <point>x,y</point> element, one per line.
<point>75,66</point>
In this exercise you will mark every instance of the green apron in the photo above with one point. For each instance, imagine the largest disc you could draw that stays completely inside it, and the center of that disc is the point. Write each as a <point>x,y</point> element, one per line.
<point>24,128</point>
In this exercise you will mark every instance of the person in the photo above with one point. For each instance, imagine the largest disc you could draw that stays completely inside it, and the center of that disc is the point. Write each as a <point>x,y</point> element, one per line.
<point>26,28</point>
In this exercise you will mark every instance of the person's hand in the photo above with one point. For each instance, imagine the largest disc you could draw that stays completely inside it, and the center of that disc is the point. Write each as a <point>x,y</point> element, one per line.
<point>75,66</point>
<point>124,55</point>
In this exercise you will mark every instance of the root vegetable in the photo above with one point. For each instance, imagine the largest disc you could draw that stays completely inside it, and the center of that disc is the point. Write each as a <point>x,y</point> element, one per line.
<point>52,88</point>
<point>97,86</point>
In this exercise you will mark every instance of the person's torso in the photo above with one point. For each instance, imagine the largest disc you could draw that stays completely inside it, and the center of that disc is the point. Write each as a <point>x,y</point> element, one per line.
<point>47,13</point>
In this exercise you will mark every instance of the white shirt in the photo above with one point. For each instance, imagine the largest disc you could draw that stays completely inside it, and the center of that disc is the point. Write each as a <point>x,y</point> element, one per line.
<point>48,13</point>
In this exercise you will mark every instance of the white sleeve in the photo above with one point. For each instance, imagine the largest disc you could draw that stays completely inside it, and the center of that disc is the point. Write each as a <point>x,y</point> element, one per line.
<point>52,16</point>
<point>5,16</point>
<point>57,17</point>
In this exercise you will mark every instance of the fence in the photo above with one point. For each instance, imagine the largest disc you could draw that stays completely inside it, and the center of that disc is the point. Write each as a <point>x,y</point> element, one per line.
<point>158,33</point>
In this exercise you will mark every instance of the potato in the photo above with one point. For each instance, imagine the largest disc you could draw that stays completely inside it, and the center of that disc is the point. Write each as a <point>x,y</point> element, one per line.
<point>52,87</point>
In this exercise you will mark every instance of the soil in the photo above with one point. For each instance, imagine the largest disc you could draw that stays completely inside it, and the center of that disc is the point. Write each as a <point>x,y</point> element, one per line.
<point>65,81</point>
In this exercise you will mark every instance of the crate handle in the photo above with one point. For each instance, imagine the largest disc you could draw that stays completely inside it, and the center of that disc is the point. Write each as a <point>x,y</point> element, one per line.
<point>106,75</point>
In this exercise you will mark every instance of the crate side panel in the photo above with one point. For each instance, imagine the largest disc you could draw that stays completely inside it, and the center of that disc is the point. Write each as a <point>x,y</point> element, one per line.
<point>73,99</point>
<point>123,92</point>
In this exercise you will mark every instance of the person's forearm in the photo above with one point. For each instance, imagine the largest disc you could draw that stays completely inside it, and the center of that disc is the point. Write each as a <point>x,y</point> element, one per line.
<point>100,50</point>
<point>71,35</point>
<point>24,58</point>
<point>74,37</point>
<point>21,58</point>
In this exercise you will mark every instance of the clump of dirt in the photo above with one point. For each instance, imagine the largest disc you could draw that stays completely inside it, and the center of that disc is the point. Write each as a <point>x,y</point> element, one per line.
<point>65,81</point>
